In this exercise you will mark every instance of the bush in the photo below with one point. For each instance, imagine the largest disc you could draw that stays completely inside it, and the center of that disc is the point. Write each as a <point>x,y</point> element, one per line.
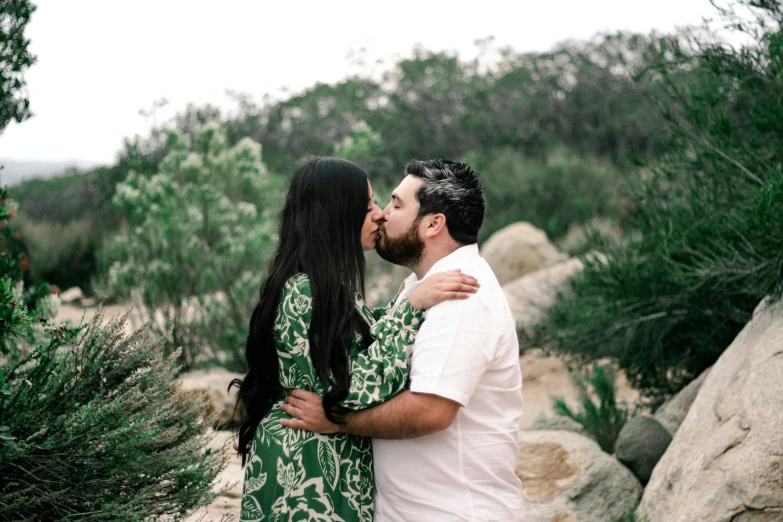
<point>199,234</point>
<point>604,420</point>
<point>63,254</point>
<point>553,194</point>
<point>94,428</point>
<point>710,240</point>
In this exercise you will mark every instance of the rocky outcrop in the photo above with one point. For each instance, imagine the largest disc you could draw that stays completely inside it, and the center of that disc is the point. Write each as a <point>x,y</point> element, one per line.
<point>519,249</point>
<point>558,423</point>
<point>725,463</point>
<point>530,297</point>
<point>213,386</point>
<point>567,478</point>
<point>673,412</point>
<point>640,445</point>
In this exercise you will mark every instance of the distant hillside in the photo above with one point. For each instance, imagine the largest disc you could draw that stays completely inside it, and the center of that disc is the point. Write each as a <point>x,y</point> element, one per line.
<point>14,172</point>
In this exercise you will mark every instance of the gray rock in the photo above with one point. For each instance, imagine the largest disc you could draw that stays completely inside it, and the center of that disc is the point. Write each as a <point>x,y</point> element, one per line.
<point>567,478</point>
<point>558,423</point>
<point>673,412</point>
<point>640,445</point>
<point>519,249</point>
<point>531,296</point>
<point>71,295</point>
<point>725,462</point>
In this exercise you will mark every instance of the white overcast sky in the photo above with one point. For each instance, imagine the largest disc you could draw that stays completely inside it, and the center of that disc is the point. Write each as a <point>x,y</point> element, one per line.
<point>101,61</point>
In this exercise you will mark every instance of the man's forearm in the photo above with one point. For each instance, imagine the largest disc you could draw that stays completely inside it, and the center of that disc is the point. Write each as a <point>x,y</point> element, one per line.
<point>405,416</point>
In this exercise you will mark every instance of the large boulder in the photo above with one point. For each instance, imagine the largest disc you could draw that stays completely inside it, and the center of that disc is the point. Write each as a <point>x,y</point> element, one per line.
<point>531,296</point>
<point>725,462</point>
<point>558,423</point>
<point>640,445</point>
<point>567,478</point>
<point>212,385</point>
<point>519,249</point>
<point>673,412</point>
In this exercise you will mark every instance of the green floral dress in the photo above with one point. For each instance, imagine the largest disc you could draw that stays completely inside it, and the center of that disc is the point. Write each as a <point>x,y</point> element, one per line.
<point>303,476</point>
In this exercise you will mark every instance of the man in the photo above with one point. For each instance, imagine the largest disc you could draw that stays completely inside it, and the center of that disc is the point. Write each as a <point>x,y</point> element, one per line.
<point>444,450</point>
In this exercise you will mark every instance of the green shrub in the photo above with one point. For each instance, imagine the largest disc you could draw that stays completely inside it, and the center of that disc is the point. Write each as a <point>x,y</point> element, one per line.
<point>61,253</point>
<point>553,194</point>
<point>92,424</point>
<point>195,231</point>
<point>94,428</point>
<point>709,244</point>
<point>600,414</point>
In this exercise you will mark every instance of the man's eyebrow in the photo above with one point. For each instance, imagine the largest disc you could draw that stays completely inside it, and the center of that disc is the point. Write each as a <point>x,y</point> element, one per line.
<point>396,197</point>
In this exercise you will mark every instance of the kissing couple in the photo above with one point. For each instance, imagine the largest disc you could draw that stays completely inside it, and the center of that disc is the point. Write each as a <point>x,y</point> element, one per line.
<point>405,413</point>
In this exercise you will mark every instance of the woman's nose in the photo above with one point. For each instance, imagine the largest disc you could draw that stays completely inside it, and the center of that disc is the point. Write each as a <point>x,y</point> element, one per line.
<point>377,213</point>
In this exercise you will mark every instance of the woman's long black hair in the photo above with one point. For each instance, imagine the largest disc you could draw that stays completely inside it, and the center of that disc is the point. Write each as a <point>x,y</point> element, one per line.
<point>320,235</point>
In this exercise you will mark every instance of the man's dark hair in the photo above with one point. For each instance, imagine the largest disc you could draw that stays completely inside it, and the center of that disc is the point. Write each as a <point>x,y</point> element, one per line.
<point>454,190</point>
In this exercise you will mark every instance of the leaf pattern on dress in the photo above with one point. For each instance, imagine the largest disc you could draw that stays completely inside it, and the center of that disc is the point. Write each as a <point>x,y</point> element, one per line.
<point>298,475</point>
<point>328,460</point>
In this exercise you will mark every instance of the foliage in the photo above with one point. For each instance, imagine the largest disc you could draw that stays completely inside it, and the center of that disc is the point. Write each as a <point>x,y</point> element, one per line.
<point>710,239</point>
<point>63,253</point>
<point>15,59</point>
<point>92,425</point>
<point>604,420</point>
<point>363,146</point>
<point>13,262</point>
<point>553,194</point>
<point>101,432</point>
<point>199,233</point>
<point>19,308</point>
<point>580,97</point>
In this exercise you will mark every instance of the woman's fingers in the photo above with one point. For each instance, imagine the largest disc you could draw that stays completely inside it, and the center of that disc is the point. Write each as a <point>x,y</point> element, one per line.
<point>459,287</point>
<point>460,278</point>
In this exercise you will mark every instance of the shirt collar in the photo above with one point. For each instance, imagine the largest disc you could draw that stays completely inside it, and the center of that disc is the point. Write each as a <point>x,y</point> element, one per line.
<point>454,260</point>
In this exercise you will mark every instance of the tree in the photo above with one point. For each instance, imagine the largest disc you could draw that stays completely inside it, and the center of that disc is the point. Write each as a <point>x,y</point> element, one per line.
<point>15,59</point>
<point>709,242</point>
<point>199,233</point>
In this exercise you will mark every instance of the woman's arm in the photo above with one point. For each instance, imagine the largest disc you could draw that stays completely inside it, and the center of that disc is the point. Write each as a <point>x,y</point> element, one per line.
<point>381,371</point>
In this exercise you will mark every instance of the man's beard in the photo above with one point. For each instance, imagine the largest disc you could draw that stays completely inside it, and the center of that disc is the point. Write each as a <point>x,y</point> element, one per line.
<point>406,249</point>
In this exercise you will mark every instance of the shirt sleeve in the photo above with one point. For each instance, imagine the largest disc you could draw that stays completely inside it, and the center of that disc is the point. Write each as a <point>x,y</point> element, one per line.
<point>381,371</point>
<point>453,349</point>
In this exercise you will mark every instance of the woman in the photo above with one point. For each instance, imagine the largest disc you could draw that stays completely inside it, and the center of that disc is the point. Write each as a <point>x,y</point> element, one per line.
<point>312,330</point>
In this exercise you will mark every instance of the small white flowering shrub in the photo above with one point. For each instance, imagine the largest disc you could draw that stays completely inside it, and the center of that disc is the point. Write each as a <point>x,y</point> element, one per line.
<point>199,234</point>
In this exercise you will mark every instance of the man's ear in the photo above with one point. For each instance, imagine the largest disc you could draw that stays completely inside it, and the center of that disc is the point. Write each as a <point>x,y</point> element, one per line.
<point>436,224</point>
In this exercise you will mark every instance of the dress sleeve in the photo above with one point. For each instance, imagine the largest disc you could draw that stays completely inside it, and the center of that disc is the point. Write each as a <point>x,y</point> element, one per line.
<point>381,371</point>
<point>381,311</point>
<point>292,324</point>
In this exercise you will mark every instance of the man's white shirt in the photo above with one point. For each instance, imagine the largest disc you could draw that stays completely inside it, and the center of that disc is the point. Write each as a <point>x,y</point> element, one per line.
<point>466,351</point>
